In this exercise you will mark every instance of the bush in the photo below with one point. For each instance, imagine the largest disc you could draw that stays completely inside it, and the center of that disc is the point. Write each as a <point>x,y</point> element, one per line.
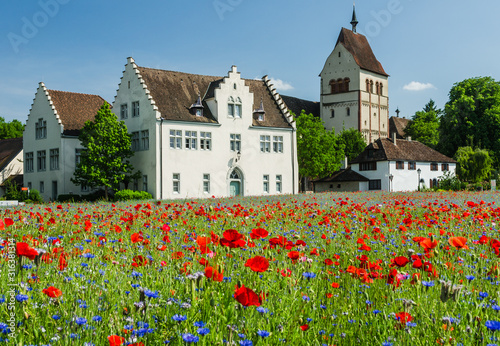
<point>127,195</point>
<point>69,198</point>
<point>450,181</point>
<point>13,192</point>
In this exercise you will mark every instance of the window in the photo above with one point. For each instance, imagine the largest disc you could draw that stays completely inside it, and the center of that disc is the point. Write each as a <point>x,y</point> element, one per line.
<point>230,107</point>
<point>84,188</point>
<point>434,166</point>
<point>40,160</point>
<point>332,114</point>
<point>265,144</point>
<point>346,84</point>
<point>205,140</point>
<point>124,111</point>
<point>381,89</point>
<point>135,109</point>
<point>135,141</point>
<point>144,183</point>
<point>237,108</point>
<point>371,86</point>
<point>278,183</point>
<point>375,184</point>
<point>176,178</point>
<point>348,111</point>
<point>333,87</point>
<point>191,138</point>
<point>54,159</point>
<point>266,183</point>
<point>41,129</point>
<point>198,112</point>
<point>412,165</point>
<point>145,140</point>
<point>235,142</point>
<point>368,166</point>
<point>400,165</point>
<point>367,86</point>
<point>175,139</point>
<point>445,167</point>
<point>42,187</point>
<point>206,183</point>
<point>78,153</point>
<point>28,159</point>
<point>234,107</point>
<point>278,144</point>
<point>29,185</point>
<point>136,184</point>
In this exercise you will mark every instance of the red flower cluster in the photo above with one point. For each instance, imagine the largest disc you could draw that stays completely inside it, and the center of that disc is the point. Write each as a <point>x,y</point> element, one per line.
<point>23,249</point>
<point>247,297</point>
<point>233,239</point>
<point>257,264</point>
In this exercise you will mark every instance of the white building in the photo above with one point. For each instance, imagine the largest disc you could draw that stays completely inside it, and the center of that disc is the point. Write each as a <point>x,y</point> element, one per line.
<point>198,136</point>
<point>50,140</point>
<point>11,162</point>
<point>391,165</point>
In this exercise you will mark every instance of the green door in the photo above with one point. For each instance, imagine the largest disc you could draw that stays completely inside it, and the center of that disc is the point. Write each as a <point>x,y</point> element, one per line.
<point>234,188</point>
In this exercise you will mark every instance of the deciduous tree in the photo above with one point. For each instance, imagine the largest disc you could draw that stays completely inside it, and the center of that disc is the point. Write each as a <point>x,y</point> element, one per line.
<point>474,166</point>
<point>12,129</point>
<point>424,125</point>
<point>354,143</point>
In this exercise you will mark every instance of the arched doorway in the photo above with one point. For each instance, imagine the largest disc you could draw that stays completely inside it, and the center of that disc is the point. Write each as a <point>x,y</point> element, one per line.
<point>236,183</point>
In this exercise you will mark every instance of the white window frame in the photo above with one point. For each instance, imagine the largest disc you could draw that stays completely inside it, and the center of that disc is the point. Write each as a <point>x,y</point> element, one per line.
<point>124,111</point>
<point>41,129</point>
<point>28,159</point>
<point>41,161</point>
<point>145,183</point>
<point>191,140</point>
<point>135,109</point>
<point>54,159</point>
<point>265,181</point>
<point>230,107</point>
<point>206,183</point>
<point>279,183</point>
<point>175,139</point>
<point>235,142</point>
<point>278,144</point>
<point>176,183</point>
<point>145,140</point>
<point>265,144</point>
<point>78,156</point>
<point>238,109</point>
<point>205,140</point>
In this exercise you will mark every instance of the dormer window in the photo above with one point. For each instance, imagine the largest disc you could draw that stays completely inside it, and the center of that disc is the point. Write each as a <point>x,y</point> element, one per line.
<point>260,113</point>
<point>197,108</point>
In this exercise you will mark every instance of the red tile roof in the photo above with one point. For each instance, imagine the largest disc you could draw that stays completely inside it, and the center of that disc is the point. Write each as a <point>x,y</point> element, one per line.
<point>360,49</point>
<point>9,148</point>
<point>74,109</point>
<point>397,125</point>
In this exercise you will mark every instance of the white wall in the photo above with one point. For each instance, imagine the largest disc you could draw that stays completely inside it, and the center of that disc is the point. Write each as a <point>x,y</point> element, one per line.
<point>14,167</point>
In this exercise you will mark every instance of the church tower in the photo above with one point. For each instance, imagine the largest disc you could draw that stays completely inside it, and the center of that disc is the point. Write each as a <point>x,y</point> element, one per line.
<point>354,87</point>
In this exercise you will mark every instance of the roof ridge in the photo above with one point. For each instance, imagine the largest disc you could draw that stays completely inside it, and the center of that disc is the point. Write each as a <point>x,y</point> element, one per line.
<point>76,93</point>
<point>193,74</point>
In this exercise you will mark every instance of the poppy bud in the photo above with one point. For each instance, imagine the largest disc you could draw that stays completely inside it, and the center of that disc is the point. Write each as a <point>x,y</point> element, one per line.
<point>301,320</point>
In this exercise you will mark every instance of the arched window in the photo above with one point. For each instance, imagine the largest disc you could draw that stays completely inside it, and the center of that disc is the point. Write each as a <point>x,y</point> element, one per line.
<point>381,89</point>
<point>348,111</point>
<point>377,88</point>
<point>346,84</point>
<point>332,114</point>
<point>367,86</point>
<point>332,86</point>
<point>371,86</point>
<point>340,85</point>
<point>235,174</point>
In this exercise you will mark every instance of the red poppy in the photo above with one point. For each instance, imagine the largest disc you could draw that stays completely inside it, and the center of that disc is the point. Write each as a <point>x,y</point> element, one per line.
<point>328,262</point>
<point>214,274</point>
<point>23,249</point>
<point>115,340</point>
<point>232,238</point>
<point>404,317</point>
<point>293,255</point>
<point>335,285</point>
<point>52,292</point>
<point>177,255</point>
<point>400,261</point>
<point>427,244</point>
<point>458,242</point>
<point>258,233</point>
<point>139,261</point>
<point>136,237</point>
<point>9,221</point>
<point>257,264</point>
<point>304,327</point>
<point>246,296</point>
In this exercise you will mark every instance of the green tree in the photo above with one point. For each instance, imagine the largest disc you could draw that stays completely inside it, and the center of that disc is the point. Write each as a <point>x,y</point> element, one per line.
<point>104,160</point>
<point>472,117</point>
<point>354,143</point>
<point>13,129</point>
<point>474,166</point>
<point>319,151</point>
<point>424,125</point>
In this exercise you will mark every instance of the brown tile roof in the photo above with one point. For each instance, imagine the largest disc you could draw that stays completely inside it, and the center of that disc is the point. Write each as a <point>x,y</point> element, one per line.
<point>9,148</point>
<point>296,105</point>
<point>360,49</point>
<point>174,92</point>
<point>397,125</point>
<point>343,175</point>
<point>383,149</point>
<point>74,109</point>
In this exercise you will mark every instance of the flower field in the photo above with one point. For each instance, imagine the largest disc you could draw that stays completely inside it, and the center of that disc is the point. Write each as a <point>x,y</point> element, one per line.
<point>321,269</point>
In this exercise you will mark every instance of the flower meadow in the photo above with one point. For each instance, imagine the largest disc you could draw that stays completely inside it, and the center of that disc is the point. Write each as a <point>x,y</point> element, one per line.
<point>319,269</point>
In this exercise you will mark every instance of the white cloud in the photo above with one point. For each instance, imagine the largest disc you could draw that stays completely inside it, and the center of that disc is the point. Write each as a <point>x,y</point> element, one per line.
<point>417,86</point>
<point>280,85</point>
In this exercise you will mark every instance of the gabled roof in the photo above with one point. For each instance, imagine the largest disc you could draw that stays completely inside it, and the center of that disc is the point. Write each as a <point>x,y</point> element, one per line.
<point>9,148</point>
<point>397,125</point>
<point>74,109</point>
<point>360,49</point>
<point>296,105</point>
<point>174,92</point>
<point>343,175</point>
<point>383,149</point>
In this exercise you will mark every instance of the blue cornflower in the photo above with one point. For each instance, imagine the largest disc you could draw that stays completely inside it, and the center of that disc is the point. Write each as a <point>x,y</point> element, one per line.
<point>179,318</point>
<point>21,297</point>
<point>482,295</point>
<point>411,324</point>
<point>492,325</point>
<point>308,275</point>
<point>74,336</point>
<point>306,298</point>
<point>151,294</point>
<point>189,338</point>
<point>470,277</point>
<point>246,343</point>
<point>97,318</point>
<point>203,331</point>
<point>323,306</point>
<point>199,324</point>
<point>387,343</point>
<point>376,311</point>
<point>263,333</point>
<point>88,255</point>
<point>262,310</point>
<point>496,307</point>
<point>84,264</point>
<point>80,321</point>
<point>241,335</point>
<point>56,317</point>
<point>428,283</point>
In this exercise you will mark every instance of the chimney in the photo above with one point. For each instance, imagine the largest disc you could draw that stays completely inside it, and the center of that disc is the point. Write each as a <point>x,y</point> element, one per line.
<point>394,138</point>
<point>409,139</point>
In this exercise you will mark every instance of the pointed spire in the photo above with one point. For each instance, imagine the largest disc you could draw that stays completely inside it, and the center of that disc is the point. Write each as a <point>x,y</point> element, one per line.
<point>260,112</point>
<point>354,21</point>
<point>397,112</point>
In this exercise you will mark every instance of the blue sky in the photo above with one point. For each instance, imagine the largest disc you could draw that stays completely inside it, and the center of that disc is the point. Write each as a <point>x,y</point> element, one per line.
<point>426,46</point>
